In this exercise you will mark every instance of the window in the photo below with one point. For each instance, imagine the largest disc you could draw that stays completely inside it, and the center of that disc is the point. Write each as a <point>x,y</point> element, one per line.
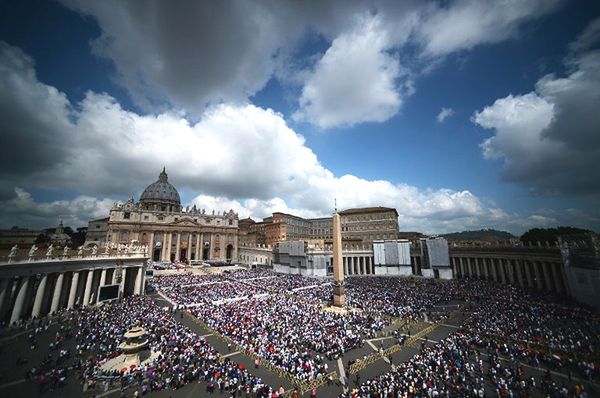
<point>97,226</point>
<point>145,218</point>
<point>230,222</point>
<point>127,215</point>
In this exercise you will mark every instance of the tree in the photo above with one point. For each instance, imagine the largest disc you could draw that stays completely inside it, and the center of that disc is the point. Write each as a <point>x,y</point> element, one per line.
<point>550,234</point>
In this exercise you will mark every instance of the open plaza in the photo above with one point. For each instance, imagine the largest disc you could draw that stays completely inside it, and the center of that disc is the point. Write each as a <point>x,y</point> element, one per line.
<point>295,198</point>
<point>255,333</point>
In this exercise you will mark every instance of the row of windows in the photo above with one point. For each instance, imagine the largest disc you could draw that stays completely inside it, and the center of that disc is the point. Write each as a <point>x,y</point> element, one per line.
<point>127,216</point>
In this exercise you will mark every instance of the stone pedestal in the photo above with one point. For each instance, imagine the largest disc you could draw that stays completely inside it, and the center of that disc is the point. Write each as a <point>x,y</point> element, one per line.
<point>339,295</point>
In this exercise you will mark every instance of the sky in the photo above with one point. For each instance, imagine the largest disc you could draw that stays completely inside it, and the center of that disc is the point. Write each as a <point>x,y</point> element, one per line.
<point>460,114</point>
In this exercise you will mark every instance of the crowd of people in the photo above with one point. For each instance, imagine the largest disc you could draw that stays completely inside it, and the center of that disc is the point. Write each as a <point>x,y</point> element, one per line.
<point>280,318</point>
<point>293,335</point>
<point>212,293</point>
<point>179,355</point>
<point>455,367</point>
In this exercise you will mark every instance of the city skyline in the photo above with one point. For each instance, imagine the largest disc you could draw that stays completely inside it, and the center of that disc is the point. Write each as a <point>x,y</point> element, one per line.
<point>461,115</point>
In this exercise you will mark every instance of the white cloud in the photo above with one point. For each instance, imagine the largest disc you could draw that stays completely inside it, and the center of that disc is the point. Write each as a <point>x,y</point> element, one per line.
<point>23,210</point>
<point>236,156</point>
<point>355,81</point>
<point>444,114</point>
<point>464,24</point>
<point>202,53</point>
<point>549,138</point>
<point>207,53</point>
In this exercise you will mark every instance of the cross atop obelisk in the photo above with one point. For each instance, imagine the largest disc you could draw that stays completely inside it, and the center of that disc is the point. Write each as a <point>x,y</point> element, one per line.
<point>339,296</point>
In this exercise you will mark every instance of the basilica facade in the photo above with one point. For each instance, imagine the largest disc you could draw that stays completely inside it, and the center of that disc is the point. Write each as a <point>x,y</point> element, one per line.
<point>171,232</point>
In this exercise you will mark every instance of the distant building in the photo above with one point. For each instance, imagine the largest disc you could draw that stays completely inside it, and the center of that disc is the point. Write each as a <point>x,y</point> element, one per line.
<point>171,232</point>
<point>22,237</point>
<point>581,258</point>
<point>59,237</point>
<point>361,225</point>
<point>97,231</point>
<point>369,223</point>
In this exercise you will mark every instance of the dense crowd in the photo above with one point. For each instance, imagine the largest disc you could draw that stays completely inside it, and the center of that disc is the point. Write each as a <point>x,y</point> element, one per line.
<point>212,293</point>
<point>505,326</point>
<point>455,367</point>
<point>293,335</point>
<point>171,281</point>
<point>180,356</point>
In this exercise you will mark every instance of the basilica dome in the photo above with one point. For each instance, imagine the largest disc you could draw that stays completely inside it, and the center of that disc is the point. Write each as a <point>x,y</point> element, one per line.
<point>161,195</point>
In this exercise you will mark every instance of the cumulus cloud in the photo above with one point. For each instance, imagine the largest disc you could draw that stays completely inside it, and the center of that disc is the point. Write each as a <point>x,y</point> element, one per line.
<point>202,53</point>
<point>548,138</point>
<point>355,81</point>
<point>464,24</point>
<point>237,156</point>
<point>444,114</point>
<point>23,210</point>
<point>205,53</point>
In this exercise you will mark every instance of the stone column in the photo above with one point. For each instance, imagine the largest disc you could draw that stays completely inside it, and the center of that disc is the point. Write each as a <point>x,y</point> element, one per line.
<point>509,268</point>
<point>557,280</point>
<point>539,283</point>
<point>138,281</point>
<point>528,277</point>
<point>73,291</point>
<point>500,269</point>
<point>222,246</point>
<point>39,297</point>
<point>169,244</point>
<point>5,291</point>
<point>346,268</point>
<point>211,247</point>
<point>546,273</point>
<point>88,288</point>
<point>198,240</point>
<point>150,253</point>
<point>102,277</point>
<point>469,272</point>
<point>20,300</point>
<point>163,252</point>
<point>519,271</point>
<point>188,252</point>
<point>57,293</point>
<point>236,245</point>
<point>178,247</point>
<point>123,280</point>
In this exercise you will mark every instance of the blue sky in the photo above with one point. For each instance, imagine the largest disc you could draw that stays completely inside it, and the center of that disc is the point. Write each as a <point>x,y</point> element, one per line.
<point>282,106</point>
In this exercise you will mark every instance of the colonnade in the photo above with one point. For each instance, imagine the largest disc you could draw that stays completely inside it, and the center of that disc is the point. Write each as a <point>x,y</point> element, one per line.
<point>34,295</point>
<point>197,245</point>
<point>358,265</point>
<point>528,273</point>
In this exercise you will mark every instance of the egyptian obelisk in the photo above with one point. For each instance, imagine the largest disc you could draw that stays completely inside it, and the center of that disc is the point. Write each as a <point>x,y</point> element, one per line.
<point>339,296</point>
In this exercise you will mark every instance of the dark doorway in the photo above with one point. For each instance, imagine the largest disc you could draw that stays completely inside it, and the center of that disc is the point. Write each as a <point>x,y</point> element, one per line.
<point>229,252</point>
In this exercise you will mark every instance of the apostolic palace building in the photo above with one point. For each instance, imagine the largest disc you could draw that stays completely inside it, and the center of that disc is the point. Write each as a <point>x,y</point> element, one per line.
<point>171,232</point>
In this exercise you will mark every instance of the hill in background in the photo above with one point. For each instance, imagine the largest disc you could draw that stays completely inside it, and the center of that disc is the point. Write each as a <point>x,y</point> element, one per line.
<point>485,235</point>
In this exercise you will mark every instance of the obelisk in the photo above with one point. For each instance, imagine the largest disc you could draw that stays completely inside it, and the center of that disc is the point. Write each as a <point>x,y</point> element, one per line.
<point>339,296</point>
